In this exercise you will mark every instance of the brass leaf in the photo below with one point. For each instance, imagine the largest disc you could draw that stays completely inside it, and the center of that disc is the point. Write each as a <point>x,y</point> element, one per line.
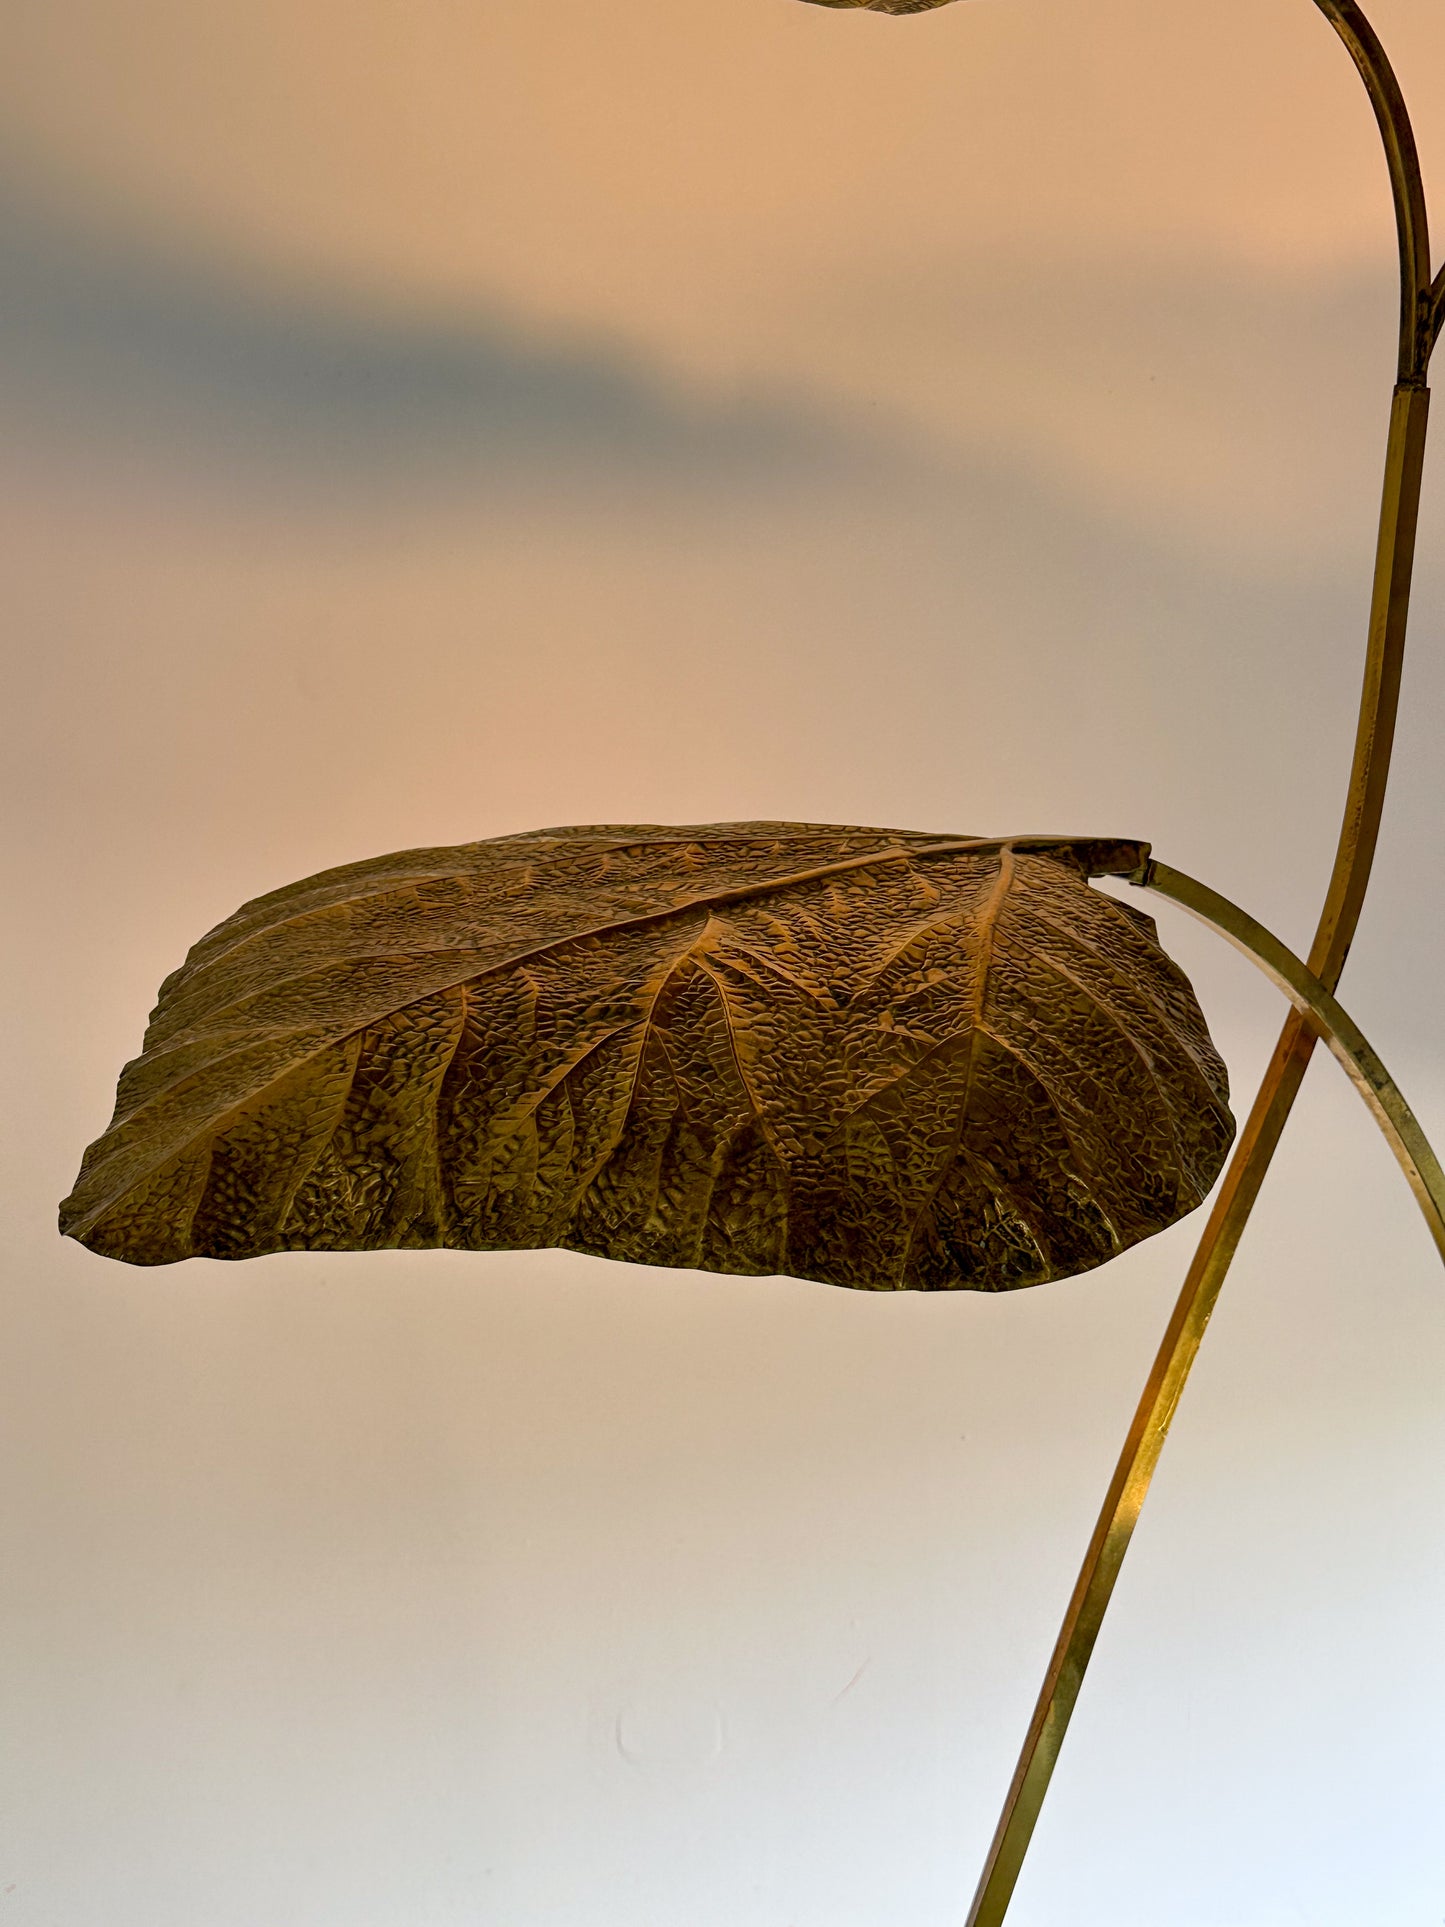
<point>871,1057</point>
<point>886,6</point>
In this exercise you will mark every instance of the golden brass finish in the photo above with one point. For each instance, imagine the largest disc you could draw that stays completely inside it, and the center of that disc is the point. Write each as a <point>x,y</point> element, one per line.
<point>1330,1021</point>
<point>1349,879</point>
<point>886,6</point>
<point>1380,697</point>
<point>1406,185</point>
<point>881,1060</point>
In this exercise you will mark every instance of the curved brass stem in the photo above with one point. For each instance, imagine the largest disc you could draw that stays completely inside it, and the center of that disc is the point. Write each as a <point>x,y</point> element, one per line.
<point>1330,1021</point>
<point>1421,308</point>
<point>1411,220</point>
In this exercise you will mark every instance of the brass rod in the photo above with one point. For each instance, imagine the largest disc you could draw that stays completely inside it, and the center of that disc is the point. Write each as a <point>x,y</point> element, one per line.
<point>1135,1469</point>
<point>1235,1198</point>
<point>1380,695</point>
<point>1406,184</point>
<point>1329,1020</point>
<point>1404,466</point>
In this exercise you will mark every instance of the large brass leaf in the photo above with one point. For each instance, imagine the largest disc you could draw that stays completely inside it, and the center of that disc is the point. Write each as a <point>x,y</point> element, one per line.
<point>871,1057</point>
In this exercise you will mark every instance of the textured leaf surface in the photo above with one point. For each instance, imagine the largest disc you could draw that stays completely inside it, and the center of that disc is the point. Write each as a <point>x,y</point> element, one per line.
<point>886,6</point>
<point>879,1059</point>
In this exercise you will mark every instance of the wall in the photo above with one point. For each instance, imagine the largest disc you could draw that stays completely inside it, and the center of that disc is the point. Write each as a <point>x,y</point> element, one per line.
<point>424,423</point>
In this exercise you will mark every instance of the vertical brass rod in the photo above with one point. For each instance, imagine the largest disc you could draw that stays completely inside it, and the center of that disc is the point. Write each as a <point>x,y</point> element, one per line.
<point>1404,467</point>
<point>1235,1198</point>
<point>1380,696</point>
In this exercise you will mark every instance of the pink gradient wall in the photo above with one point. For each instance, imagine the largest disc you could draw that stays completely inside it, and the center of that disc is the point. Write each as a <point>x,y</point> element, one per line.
<point>425,422</point>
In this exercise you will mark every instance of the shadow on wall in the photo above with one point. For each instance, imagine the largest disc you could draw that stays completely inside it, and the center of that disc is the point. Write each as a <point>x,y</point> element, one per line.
<point>112,336</point>
<point>109,335</point>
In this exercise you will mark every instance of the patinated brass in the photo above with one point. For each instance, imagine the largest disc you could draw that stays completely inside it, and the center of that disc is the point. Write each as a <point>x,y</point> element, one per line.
<point>876,1059</point>
<point>886,6</point>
